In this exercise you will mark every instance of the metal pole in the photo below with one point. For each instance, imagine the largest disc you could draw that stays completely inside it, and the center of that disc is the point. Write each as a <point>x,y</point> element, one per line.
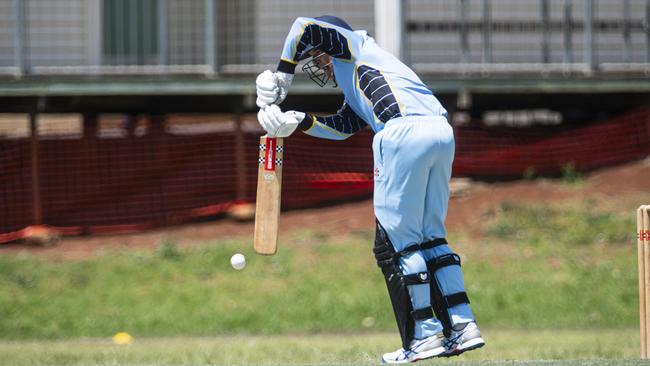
<point>546,32</point>
<point>405,50</point>
<point>568,32</point>
<point>209,35</point>
<point>120,32</point>
<point>146,32</point>
<point>487,31</point>
<point>93,39</point>
<point>37,216</point>
<point>135,13</point>
<point>162,32</point>
<point>647,30</point>
<point>216,33</point>
<point>240,154</point>
<point>464,38</point>
<point>388,25</point>
<point>20,38</point>
<point>589,36</point>
<point>108,34</point>
<point>627,33</point>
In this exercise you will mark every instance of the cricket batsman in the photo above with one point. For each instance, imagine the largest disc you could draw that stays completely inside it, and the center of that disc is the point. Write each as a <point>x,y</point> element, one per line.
<point>413,150</point>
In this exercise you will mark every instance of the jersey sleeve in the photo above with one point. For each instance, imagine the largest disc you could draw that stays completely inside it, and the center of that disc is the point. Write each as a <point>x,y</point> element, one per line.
<point>339,126</point>
<point>309,33</point>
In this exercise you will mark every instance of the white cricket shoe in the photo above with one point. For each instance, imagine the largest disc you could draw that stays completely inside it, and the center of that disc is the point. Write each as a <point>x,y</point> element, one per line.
<point>420,349</point>
<point>465,339</point>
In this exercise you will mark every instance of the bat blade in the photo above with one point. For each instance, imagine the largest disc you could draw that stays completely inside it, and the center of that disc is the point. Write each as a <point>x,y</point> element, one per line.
<point>269,191</point>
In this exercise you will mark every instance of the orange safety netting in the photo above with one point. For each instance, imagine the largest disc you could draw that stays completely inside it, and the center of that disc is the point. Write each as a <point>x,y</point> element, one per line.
<point>150,177</point>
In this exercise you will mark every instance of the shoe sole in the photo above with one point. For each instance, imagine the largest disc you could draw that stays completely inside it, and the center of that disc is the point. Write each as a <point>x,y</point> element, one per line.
<point>436,352</point>
<point>468,346</point>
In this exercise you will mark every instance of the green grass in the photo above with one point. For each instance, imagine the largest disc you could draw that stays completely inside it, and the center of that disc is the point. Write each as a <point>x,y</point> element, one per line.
<point>328,349</point>
<point>555,266</point>
<point>571,225</point>
<point>562,277</point>
<point>570,175</point>
<point>307,287</point>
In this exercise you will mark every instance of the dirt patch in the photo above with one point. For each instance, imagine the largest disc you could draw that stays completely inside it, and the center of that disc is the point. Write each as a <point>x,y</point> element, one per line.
<point>629,183</point>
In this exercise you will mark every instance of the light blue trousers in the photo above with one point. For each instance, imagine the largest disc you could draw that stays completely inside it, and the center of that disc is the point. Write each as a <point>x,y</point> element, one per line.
<point>412,168</point>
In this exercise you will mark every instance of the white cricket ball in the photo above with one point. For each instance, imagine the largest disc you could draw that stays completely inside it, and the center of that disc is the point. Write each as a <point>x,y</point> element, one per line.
<point>238,261</point>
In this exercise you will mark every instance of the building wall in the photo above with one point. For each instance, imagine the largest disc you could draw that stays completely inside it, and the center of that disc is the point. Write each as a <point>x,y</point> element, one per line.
<point>274,19</point>
<point>186,32</point>
<point>524,44</point>
<point>69,32</point>
<point>56,32</point>
<point>7,33</point>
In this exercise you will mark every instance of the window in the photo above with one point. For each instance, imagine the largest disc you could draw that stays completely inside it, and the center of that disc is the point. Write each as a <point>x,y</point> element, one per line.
<point>130,32</point>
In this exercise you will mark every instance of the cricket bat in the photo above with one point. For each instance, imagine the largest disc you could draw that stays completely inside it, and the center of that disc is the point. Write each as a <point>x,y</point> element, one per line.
<point>269,189</point>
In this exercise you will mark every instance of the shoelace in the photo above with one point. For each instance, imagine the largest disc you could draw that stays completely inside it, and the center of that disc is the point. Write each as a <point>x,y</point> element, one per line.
<point>451,343</point>
<point>404,355</point>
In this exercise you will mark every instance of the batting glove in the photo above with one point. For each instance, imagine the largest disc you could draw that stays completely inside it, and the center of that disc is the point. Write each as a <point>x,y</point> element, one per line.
<point>279,124</point>
<point>272,87</point>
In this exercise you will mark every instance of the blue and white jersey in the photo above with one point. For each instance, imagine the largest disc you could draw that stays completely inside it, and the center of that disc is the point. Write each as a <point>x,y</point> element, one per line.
<point>376,85</point>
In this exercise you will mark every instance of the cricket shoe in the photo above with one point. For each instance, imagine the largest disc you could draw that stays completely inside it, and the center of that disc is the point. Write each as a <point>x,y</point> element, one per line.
<point>465,339</point>
<point>420,349</point>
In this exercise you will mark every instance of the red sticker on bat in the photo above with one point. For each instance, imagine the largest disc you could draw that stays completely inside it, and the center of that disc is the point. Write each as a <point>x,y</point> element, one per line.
<point>269,154</point>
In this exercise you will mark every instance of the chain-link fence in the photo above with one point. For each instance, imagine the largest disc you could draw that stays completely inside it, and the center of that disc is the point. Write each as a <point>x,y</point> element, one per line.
<point>225,36</point>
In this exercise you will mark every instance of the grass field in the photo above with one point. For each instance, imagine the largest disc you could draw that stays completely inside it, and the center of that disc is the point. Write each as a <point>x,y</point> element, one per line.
<point>566,347</point>
<point>547,282</point>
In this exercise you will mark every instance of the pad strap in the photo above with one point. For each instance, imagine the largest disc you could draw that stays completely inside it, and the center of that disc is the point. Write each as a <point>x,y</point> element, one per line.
<point>456,299</point>
<point>444,261</point>
<point>387,256</point>
<point>426,245</point>
<point>417,278</point>
<point>422,314</point>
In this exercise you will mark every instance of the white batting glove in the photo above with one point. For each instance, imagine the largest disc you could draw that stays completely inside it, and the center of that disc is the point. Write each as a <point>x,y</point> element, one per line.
<point>279,124</point>
<point>272,87</point>
<point>267,88</point>
<point>284,82</point>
